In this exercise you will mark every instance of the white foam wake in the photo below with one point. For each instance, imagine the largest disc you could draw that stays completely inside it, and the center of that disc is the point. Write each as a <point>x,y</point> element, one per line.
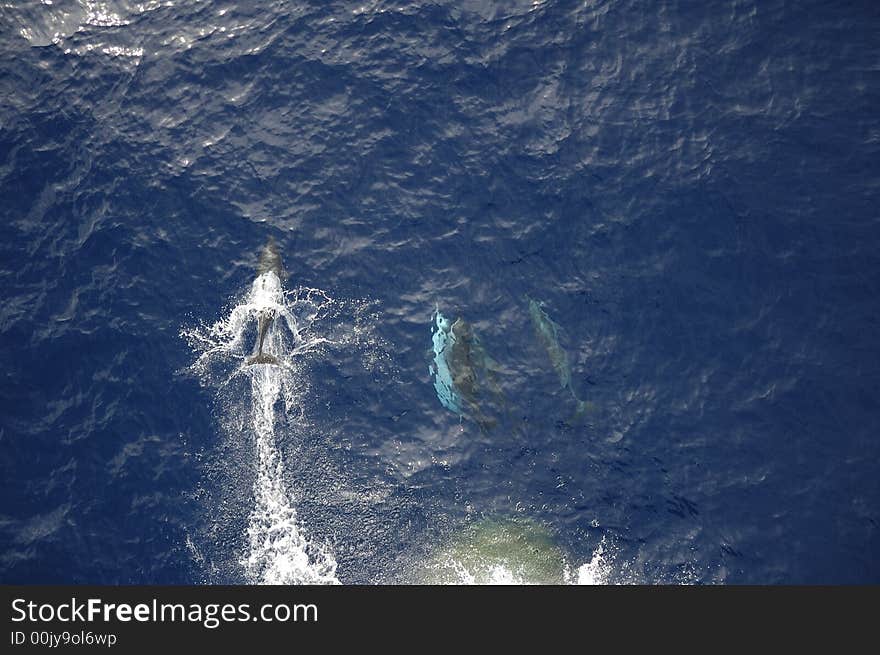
<point>278,549</point>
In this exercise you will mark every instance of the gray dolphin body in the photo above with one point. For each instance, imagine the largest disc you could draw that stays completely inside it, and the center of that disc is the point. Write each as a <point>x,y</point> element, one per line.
<point>265,320</point>
<point>462,369</point>
<point>270,259</point>
<point>470,363</point>
<point>547,332</point>
<point>270,262</point>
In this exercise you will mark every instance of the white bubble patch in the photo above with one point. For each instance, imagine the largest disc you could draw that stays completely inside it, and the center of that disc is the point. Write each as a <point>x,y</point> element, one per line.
<point>277,547</point>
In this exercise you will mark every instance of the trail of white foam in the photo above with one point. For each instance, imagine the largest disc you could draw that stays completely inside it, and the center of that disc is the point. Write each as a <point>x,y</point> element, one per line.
<point>278,549</point>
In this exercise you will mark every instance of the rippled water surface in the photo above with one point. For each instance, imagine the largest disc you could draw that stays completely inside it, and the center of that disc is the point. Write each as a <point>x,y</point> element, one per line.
<point>654,224</point>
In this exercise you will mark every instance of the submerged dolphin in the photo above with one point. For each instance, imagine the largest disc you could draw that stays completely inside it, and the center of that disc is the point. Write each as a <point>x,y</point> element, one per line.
<point>269,267</point>
<point>460,367</point>
<point>547,332</point>
<point>471,364</point>
<point>440,370</point>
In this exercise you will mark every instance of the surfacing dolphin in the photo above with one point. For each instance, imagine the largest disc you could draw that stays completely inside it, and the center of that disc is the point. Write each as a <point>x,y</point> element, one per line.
<point>270,259</point>
<point>269,269</point>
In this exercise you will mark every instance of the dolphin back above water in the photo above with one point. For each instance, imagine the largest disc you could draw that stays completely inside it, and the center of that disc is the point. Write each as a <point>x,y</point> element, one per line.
<point>270,259</point>
<point>266,317</point>
<point>268,281</point>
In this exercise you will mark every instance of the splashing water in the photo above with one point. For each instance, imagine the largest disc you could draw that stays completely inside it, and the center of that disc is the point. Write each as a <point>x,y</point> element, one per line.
<point>278,552</point>
<point>595,572</point>
<point>514,551</point>
<point>278,549</point>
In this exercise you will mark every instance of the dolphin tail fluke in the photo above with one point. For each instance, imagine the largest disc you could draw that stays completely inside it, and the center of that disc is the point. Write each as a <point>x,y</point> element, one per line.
<point>262,358</point>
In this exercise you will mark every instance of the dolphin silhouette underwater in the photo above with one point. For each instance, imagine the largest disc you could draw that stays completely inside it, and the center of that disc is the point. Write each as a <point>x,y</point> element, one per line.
<point>547,333</point>
<point>269,280</point>
<point>462,370</point>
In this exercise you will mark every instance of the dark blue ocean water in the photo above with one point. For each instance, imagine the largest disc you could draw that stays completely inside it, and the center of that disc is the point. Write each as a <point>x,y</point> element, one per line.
<point>690,188</point>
